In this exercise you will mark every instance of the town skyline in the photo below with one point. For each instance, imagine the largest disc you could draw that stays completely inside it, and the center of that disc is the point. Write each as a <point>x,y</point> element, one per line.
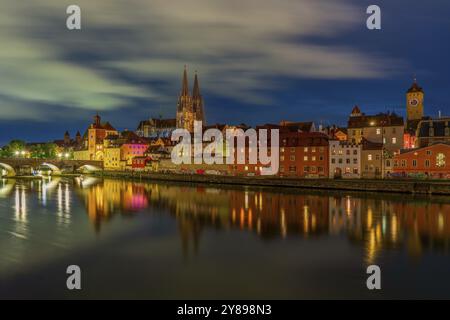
<point>297,63</point>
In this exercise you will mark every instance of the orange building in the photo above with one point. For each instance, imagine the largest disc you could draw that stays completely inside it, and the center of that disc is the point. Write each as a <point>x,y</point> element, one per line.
<point>432,161</point>
<point>304,154</point>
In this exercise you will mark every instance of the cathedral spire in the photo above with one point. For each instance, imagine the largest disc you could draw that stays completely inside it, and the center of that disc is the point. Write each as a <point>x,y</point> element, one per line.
<point>184,86</point>
<point>196,90</point>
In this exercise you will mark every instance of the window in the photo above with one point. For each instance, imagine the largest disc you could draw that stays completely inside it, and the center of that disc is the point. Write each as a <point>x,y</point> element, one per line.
<point>321,149</point>
<point>440,160</point>
<point>355,161</point>
<point>429,153</point>
<point>321,158</point>
<point>306,169</point>
<point>355,152</point>
<point>340,161</point>
<point>333,161</point>
<point>414,163</point>
<point>313,149</point>
<point>292,169</point>
<point>292,158</point>
<point>305,158</point>
<point>377,157</point>
<point>305,149</point>
<point>403,163</point>
<point>348,152</point>
<point>347,161</point>
<point>394,140</point>
<point>369,157</point>
<point>355,170</point>
<point>427,163</point>
<point>313,158</point>
<point>378,131</point>
<point>320,169</point>
<point>281,158</point>
<point>292,149</point>
<point>282,150</point>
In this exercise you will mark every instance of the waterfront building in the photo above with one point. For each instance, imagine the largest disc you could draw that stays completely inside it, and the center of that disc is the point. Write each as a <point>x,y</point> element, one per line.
<point>304,154</point>
<point>190,108</point>
<point>156,128</point>
<point>120,149</point>
<point>431,161</point>
<point>345,159</point>
<point>92,146</point>
<point>371,159</point>
<point>386,128</point>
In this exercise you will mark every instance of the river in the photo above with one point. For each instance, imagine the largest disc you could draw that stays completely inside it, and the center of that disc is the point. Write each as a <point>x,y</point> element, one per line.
<point>178,241</point>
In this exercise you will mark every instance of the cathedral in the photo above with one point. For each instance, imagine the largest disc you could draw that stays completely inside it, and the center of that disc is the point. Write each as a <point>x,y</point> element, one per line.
<point>189,107</point>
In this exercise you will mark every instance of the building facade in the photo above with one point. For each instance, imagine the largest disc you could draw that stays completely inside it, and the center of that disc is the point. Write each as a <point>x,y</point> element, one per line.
<point>304,155</point>
<point>432,162</point>
<point>386,128</point>
<point>345,159</point>
<point>91,146</point>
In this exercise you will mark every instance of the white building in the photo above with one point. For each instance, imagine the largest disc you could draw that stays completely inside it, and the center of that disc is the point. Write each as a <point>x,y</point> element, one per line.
<point>345,159</point>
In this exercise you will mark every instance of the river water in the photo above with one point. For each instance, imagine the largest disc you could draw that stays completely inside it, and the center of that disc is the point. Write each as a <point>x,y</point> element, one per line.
<point>161,241</point>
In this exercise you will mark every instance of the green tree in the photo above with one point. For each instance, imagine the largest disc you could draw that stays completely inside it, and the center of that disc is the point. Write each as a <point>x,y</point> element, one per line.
<point>12,148</point>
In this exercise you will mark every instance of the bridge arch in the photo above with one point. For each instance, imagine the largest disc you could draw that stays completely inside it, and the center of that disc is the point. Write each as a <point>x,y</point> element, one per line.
<point>55,169</point>
<point>6,170</point>
<point>89,168</point>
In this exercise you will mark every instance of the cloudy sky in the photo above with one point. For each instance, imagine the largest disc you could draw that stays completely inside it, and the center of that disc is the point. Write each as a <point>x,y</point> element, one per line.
<point>258,61</point>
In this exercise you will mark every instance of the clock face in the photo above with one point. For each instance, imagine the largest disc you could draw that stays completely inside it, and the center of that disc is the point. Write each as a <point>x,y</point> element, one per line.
<point>414,102</point>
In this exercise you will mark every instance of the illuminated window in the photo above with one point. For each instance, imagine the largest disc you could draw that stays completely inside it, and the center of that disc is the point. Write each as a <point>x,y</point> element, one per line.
<point>378,131</point>
<point>394,140</point>
<point>440,160</point>
<point>369,157</point>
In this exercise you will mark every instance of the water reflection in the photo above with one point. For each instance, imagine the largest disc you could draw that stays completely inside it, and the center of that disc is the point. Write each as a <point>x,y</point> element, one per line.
<point>374,223</point>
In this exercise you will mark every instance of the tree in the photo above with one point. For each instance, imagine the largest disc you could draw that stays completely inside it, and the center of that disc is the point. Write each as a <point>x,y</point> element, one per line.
<point>10,150</point>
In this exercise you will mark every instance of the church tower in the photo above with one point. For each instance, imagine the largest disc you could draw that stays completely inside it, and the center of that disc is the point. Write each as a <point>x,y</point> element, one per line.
<point>197,102</point>
<point>414,102</point>
<point>189,108</point>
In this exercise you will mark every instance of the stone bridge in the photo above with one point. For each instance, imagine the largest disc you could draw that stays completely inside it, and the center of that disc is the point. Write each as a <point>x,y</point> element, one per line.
<point>19,166</point>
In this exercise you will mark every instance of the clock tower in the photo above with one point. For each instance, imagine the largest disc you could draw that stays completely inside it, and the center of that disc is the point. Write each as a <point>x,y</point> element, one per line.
<point>414,102</point>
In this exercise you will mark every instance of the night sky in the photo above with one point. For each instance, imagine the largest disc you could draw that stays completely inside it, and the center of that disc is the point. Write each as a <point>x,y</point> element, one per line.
<point>258,61</point>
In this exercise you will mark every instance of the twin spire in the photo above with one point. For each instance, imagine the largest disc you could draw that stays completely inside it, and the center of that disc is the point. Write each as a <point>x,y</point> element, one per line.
<point>185,85</point>
<point>189,107</point>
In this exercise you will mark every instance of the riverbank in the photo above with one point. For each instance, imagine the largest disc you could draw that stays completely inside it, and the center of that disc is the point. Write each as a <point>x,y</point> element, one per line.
<point>397,186</point>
